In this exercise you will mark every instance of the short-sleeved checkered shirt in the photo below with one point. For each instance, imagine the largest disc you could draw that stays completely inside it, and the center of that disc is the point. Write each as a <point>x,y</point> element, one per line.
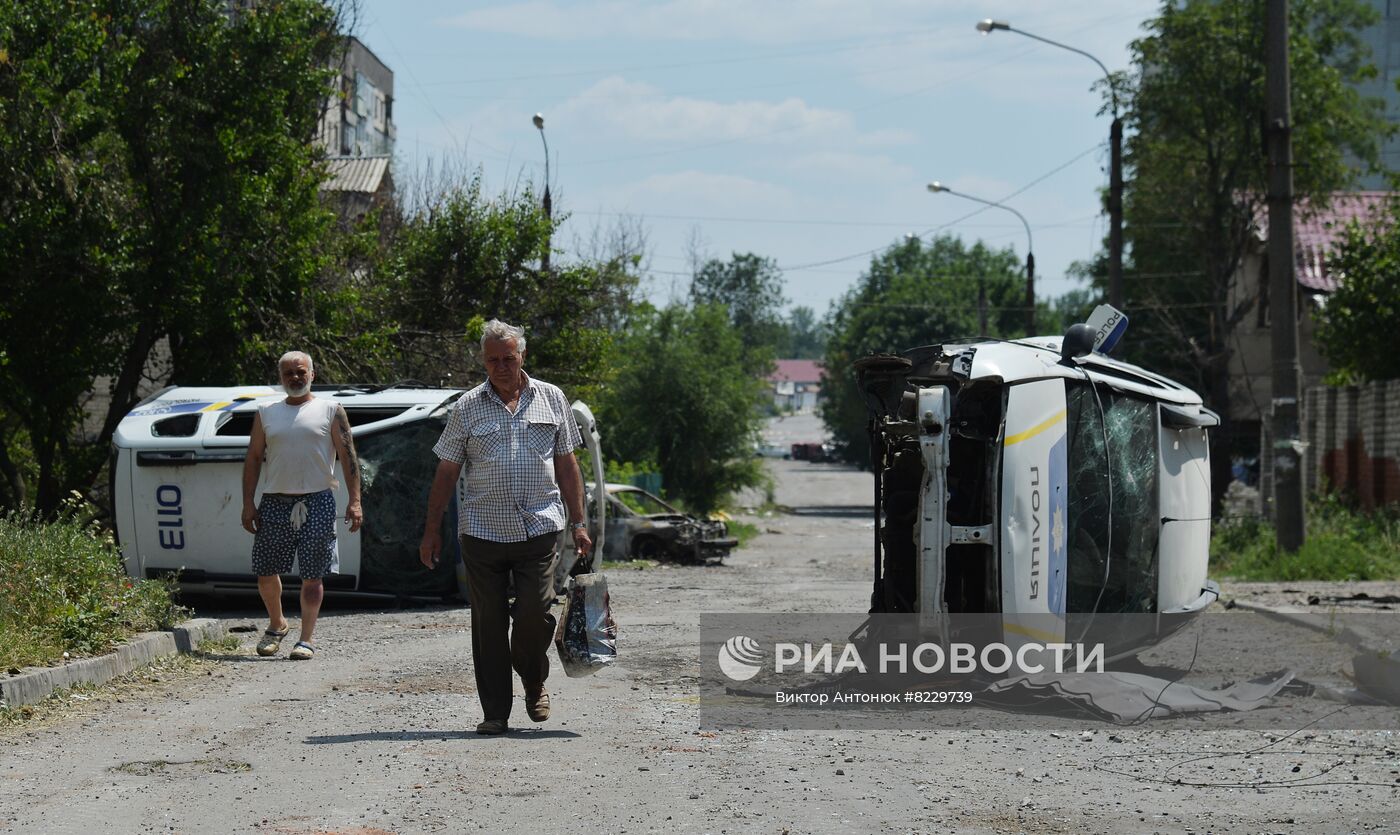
<point>507,491</point>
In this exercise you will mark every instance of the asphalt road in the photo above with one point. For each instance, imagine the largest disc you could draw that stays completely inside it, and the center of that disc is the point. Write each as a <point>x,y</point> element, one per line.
<point>374,735</point>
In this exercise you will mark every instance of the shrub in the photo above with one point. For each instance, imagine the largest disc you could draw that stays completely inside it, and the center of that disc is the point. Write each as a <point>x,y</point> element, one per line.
<point>1342,544</point>
<point>63,589</point>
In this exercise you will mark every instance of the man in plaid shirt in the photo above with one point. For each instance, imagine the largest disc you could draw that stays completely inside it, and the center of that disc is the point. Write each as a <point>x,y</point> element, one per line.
<point>509,448</point>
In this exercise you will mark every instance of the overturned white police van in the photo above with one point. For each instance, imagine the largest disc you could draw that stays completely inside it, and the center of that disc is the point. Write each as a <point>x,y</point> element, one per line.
<point>177,469</point>
<point>1040,479</point>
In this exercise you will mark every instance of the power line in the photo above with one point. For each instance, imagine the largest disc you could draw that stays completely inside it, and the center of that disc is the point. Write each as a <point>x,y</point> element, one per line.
<point>974,213</point>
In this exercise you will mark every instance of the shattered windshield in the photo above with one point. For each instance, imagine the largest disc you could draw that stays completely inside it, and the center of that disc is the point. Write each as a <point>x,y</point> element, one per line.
<point>1113,513</point>
<point>397,467</point>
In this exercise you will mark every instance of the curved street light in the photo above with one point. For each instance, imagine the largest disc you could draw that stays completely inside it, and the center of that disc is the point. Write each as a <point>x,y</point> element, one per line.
<point>936,187</point>
<point>1115,176</point>
<point>538,119</point>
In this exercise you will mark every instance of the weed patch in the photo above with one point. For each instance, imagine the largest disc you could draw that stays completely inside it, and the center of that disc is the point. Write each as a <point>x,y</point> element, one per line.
<point>1342,544</point>
<point>63,589</point>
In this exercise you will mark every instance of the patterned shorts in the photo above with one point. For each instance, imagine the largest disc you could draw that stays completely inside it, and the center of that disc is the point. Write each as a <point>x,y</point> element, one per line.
<point>300,527</point>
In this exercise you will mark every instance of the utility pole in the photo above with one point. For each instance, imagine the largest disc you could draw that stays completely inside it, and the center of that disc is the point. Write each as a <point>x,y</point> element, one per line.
<point>1283,287</point>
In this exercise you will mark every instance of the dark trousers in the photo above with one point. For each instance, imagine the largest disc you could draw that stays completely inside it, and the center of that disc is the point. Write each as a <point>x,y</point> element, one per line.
<point>496,647</point>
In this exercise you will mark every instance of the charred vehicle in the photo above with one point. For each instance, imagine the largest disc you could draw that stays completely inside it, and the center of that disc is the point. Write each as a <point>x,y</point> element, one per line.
<point>1038,479</point>
<point>641,526</point>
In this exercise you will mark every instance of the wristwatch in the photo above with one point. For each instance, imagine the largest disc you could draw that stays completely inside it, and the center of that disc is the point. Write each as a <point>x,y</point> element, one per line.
<point>574,526</point>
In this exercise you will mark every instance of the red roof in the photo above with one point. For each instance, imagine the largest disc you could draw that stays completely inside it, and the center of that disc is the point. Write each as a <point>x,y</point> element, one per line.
<point>796,371</point>
<point>1316,232</point>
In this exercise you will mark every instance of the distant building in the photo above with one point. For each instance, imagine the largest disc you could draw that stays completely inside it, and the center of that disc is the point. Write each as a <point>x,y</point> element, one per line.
<point>795,384</point>
<point>1251,360</point>
<point>358,119</point>
<point>359,184</point>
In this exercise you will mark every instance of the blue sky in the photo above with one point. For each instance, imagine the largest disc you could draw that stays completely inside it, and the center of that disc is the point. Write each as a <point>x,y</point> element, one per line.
<point>801,130</point>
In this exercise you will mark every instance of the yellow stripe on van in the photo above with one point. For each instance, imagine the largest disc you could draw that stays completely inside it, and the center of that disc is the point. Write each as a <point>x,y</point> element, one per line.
<point>1037,429</point>
<point>214,407</point>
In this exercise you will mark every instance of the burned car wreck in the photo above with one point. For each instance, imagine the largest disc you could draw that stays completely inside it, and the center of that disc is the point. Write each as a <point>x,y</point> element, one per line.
<point>642,526</point>
<point>1038,479</point>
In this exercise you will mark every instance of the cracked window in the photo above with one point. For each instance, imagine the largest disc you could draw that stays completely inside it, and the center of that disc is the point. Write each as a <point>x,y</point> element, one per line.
<point>1113,512</point>
<point>396,471</point>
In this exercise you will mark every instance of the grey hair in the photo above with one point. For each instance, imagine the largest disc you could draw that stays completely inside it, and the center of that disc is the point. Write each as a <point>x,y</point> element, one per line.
<point>295,355</point>
<point>496,329</point>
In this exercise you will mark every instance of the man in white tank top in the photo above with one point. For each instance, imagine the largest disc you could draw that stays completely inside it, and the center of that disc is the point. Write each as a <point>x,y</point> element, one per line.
<point>300,438</point>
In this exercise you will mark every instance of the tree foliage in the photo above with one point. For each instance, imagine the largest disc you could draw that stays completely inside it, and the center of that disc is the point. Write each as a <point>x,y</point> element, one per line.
<point>683,398</point>
<point>161,185</point>
<point>750,289</point>
<point>410,299</point>
<point>913,294</point>
<point>1196,172</point>
<point>1356,328</point>
<point>803,336</point>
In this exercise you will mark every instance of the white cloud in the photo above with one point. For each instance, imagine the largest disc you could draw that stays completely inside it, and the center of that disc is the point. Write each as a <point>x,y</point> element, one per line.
<point>645,113</point>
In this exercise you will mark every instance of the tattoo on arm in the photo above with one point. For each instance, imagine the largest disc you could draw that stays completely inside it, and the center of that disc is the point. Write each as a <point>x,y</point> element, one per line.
<point>351,464</point>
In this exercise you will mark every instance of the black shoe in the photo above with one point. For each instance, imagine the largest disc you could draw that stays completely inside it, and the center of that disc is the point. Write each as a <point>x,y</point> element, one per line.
<point>493,727</point>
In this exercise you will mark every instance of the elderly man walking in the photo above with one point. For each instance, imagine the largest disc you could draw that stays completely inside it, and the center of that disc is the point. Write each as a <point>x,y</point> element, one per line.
<point>511,442</point>
<point>300,437</point>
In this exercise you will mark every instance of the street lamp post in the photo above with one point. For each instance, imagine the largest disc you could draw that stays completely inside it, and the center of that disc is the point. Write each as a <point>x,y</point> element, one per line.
<point>548,207</point>
<point>936,187</point>
<point>1115,163</point>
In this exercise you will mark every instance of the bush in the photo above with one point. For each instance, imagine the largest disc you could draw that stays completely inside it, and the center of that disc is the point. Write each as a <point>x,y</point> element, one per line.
<point>1342,544</point>
<point>63,589</point>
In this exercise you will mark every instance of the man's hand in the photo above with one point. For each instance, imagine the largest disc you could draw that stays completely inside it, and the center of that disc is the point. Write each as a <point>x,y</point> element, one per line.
<point>430,549</point>
<point>354,516</point>
<point>250,518</point>
<point>582,542</point>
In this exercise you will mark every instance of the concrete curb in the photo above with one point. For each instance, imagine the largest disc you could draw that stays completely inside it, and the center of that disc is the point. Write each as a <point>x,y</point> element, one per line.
<point>34,684</point>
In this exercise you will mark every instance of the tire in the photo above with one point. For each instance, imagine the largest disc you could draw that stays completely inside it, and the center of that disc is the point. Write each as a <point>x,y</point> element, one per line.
<point>647,548</point>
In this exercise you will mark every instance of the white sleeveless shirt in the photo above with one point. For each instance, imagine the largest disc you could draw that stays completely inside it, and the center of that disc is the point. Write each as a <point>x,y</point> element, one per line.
<point>300,453</point>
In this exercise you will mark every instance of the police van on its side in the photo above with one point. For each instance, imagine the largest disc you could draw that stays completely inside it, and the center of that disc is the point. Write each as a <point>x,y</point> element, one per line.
<point>178,497</point>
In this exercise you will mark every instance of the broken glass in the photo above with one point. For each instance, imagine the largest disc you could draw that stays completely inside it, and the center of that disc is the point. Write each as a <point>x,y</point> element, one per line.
<point>1112,508</point>
<point>396,472</point>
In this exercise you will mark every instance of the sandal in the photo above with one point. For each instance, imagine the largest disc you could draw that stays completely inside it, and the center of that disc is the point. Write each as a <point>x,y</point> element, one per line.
<point>272,640</point>
<point>302,652</point>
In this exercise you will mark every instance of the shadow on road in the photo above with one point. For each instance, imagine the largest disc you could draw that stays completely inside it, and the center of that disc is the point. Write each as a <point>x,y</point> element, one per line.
<point>845,511</point>
<point>406,736</point>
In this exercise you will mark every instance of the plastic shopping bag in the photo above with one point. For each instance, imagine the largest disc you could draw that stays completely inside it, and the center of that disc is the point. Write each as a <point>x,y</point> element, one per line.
<point>586,636</point>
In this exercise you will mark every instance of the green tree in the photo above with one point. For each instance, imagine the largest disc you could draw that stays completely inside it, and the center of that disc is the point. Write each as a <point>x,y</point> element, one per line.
<point>750,289</point>
<point>460,258</point>
<point>1197,176</point>
<point>161,188</point>
<point>1356,329</point>
<point>682,397</point>
<point>804,337</point>
<point>913,294</point>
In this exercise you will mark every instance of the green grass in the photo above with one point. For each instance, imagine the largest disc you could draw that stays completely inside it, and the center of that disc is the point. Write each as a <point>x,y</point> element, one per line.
<point>1342,544</point>
<point>226,644</point>
<point>631,565</point>
<point>63,589</point>
<point>742,531</point>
